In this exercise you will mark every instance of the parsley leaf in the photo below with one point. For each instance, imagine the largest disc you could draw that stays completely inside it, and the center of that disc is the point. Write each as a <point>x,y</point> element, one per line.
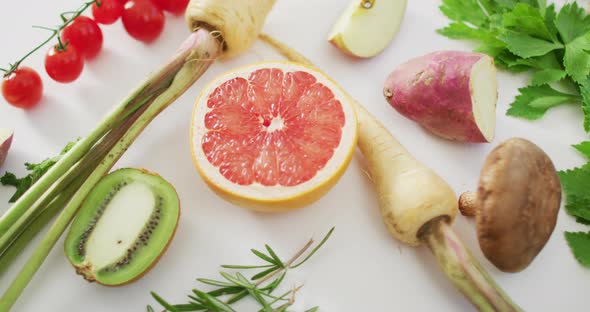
<point>575,183</point>
<point>576,59</point>
<point>579,243</point>
<point>585,93</point>
<point>572,22</point>
<point>464,10</point>
<point>36,172</point>
<point>527,46</point>
<point>584,148</point>
<point>534,101</point>
<point>545,76</point>
<point>526,19</point>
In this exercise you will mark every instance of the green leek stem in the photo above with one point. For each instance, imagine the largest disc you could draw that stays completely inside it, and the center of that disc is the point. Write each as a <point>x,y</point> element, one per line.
<point>198,52</point>
<point>90,160</point>
<point>81,148</point>
<point>464,271</point>
<point>38,223</point>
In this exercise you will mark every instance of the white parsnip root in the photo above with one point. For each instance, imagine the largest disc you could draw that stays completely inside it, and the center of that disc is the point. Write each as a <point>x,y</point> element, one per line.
<point>410,194</point>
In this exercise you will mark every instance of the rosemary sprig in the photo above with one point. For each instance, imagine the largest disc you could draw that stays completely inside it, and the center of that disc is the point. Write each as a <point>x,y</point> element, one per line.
<point>236,286</point>
<point>54,32</point>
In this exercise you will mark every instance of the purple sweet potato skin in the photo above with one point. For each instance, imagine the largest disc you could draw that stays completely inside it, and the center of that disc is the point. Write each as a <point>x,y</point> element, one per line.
<point>433,90</point>
<point>4,147</point>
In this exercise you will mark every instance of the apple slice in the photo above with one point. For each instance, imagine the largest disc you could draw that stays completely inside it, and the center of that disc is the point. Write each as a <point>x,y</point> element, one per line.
<point>367,27</point>
<point>5,141</point>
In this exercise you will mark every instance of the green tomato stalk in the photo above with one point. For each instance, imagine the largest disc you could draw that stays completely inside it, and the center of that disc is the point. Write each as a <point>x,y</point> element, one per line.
<point>125,124</point>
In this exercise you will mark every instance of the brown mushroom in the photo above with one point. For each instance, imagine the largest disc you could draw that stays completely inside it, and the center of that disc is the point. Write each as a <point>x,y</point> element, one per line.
<point>516,204</point>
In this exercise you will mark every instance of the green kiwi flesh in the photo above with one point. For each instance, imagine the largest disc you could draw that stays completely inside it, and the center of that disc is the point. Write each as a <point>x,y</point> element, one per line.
<point>123,227</point>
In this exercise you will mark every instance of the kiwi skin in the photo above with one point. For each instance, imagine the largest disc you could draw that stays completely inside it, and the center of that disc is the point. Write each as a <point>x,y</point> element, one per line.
<point>155,260</point>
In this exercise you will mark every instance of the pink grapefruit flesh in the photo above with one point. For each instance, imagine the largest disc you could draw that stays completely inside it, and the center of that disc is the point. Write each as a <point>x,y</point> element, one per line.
<point>271,128</point>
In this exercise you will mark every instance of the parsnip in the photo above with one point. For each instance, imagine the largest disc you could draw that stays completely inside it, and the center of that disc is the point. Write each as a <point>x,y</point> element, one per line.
<point>410,194</point>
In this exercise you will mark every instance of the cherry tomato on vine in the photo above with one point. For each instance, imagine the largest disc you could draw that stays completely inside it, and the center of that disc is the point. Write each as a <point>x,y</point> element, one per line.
<point>64,65</point>
<point>22,88</point>
<point>143,20</point>
<point>176,7</point>
<point>85,34</point>
<point>108,12</point>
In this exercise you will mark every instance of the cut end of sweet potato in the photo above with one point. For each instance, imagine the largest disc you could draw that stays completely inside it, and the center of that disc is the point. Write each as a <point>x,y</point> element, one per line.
<point>484,94</point>
<point>5,142</point>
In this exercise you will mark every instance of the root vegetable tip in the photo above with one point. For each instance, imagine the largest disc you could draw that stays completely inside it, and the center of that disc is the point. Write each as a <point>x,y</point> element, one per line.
<point>5,143</point>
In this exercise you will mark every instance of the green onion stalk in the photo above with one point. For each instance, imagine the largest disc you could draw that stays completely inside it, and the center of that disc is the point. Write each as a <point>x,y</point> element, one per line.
<point>68,182</point>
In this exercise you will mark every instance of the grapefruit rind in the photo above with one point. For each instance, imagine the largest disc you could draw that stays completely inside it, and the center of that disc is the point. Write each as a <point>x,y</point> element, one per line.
<point>273,198</point>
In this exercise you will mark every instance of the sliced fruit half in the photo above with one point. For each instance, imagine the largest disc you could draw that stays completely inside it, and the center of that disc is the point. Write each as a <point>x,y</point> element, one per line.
<point>272,136</point>
<point>123,227</point>
<point>367,27</point>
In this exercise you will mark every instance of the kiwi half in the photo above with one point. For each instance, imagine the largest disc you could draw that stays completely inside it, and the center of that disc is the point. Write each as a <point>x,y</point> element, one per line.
<point>124,225</point>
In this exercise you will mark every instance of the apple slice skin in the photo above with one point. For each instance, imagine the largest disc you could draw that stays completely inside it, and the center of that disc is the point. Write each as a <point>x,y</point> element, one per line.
<point>450,93</point>
<point>367,27</point>
<point>5,143</point>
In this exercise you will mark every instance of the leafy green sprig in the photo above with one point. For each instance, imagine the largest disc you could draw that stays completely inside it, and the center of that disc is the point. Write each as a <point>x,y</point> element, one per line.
<point>575,183</point>
<point>530,35</point>
<point>260,287</point>
<point>36,171</point>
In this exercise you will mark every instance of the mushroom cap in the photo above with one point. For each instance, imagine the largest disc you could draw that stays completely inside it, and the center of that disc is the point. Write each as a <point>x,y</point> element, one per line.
<point>518,198</point>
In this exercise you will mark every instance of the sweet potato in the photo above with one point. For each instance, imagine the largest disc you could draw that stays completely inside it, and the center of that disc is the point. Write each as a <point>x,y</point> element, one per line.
<point>452,94</point>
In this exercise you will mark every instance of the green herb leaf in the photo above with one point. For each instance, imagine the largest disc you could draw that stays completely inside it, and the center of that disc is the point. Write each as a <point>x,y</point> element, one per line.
<point>584,89</point>
<point>226,291</point>
<point>575,183</point>
<point>265,257</point>
<point>322,242</point>
<point>163,302</point>
<point>247,267</point>
<point>584,148</point>
<point>527,46</point>
<point>314,309</point>
<point>272,286</point>
<point>274,256</point>
<point>214,302</point>
<point>214,282</point>
<point>464,10</point>
<point>579,243</point>
<point>572,22</point>
<point>534,101</point>
<point>264,273</point>
<point>36,172</point>
<point>546,76</point>
<point>528,20</point>
<point>577,59</point>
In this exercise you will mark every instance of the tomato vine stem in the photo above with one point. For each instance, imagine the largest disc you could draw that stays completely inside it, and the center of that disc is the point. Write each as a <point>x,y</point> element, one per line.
<point>55,32</point>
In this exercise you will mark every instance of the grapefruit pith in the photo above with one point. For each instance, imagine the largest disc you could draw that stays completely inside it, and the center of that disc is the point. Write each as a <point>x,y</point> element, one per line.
<point>272,136</point>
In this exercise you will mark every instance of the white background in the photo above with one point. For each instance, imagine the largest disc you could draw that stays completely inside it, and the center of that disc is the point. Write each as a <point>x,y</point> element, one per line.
<point>362,268</point>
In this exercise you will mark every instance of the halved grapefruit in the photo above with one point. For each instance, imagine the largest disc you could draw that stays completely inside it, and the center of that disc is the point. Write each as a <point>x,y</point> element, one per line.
<point>272,136</point>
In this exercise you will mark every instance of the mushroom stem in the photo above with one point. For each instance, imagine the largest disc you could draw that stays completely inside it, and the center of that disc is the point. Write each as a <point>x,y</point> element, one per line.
<point>463,269</point>
<point>467,204</point>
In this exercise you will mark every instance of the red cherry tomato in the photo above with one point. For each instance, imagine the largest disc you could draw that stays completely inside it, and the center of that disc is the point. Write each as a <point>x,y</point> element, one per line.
<point>85,34</point>
<point>176,7</point>
<point>22,88</point>
<point>143,20</point>
<point>64,65</point>
<point>108,12</point>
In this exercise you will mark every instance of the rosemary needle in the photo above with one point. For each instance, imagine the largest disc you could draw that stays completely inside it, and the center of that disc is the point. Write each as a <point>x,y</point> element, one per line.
<point>237,286</point>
